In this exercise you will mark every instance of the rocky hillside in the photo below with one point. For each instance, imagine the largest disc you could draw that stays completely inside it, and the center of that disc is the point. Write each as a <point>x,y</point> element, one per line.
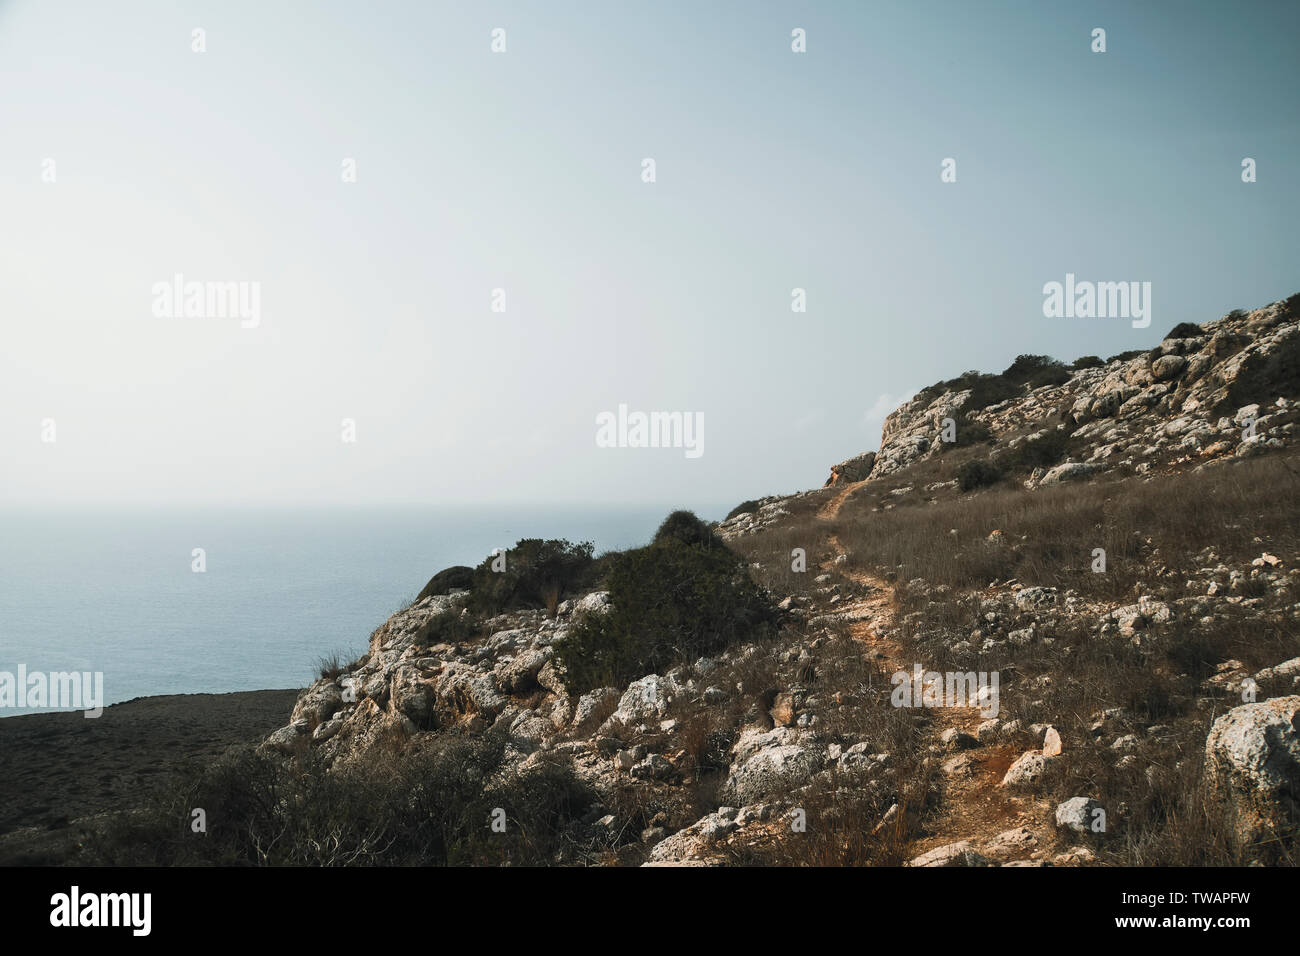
<point>1188,399</point>
<point>1141,711</point>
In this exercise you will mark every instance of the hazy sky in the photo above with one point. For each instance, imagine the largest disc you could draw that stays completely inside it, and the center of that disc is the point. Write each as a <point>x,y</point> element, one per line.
<point>522,170</point>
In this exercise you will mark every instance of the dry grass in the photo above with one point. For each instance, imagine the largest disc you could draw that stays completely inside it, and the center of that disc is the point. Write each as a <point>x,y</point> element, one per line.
<point>1158,534</point>
<point>1049,535</point>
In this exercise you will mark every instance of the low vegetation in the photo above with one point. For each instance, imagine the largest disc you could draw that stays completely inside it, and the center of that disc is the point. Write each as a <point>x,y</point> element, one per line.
<point>428,802</point>
<point>683,596</point>
<point>535,572</point>
<point>745,507</point>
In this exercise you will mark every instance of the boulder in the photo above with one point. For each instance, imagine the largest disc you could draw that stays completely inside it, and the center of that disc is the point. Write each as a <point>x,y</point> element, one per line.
<point>597,602</point>
<point>1077,814</point>
<point>854,469</point>
<point>520,673</point>
<point>590,705</point>
<point>644,700</point>
<point>411,695</point>
<point>1026,770</point>
<point>464,689</point>
<point>1012,842</point>
<point>953,854</point>
<point>1167,367</point>
<point>319,702</point>
<point>1051,742</point>
<point>1069,471</point>
<point>771,771</point>
<point>1252,766</point>
<point>954,739</point>
<point>552,677</point>
<point>1029,599</point>
<point>289,740</point>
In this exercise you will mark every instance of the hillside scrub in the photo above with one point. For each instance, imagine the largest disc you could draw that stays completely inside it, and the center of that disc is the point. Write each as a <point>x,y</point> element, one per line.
<point>683,596</point>
<point>427,803</point>
<point>745,507</point>
<point>1055,528</point>
<point>986,389</point>
<point>532,574</point>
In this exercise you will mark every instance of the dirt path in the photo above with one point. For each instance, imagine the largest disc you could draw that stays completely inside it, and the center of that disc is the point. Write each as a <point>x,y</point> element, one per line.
<point>974,806</point>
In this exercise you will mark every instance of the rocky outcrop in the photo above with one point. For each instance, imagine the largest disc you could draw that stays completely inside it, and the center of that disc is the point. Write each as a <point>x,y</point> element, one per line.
<point>1252,767</point>
<point>769,511</point>
<point>771,763</point>
<point>1229,389</point>
<point>854,469</point>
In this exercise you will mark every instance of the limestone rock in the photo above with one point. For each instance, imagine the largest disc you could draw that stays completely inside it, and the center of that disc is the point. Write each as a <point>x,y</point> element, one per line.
<point>1252,766</point>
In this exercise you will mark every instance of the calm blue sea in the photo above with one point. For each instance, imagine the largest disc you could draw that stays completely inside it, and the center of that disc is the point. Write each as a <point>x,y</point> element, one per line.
<point>114,592</point>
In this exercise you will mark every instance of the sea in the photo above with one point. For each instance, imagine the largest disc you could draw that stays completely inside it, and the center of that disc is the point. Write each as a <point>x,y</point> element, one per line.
<point>117,592</point>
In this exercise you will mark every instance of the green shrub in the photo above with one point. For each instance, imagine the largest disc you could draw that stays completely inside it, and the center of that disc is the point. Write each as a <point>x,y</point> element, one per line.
<point>458,578</point>
<point>449,627</point>
<point>683,527</point>
<point>959,384</point>
<point>1035,370</point>
<point>1125,356</point>
<point>1056,375</point>
<point>425,803</point>
<point>971,432</point>
<point>1087,361</point>
<point>683,596</point>
<point>1041,452</point>
<point>986,390</point>
<point>1184,330</point>
<point>742,508</point>
<point>977,473</point>
<point>536,572</point>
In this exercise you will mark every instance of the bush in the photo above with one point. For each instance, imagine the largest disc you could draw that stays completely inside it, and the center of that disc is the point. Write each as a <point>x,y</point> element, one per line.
<point>1056,375</point>
<point>986,390</point>
<point>742,508</point>
<point>1125,356</point>
<point>536,572</point>
<point>971,432</point>
<point>449,627</point>
<point>1184,330</point>
<point>977,473</point>
<point>427,804</point>
<point>458,577</point>
<point>1087,361</point>
<point>684,596</point>
<point>683,527</point>
<point>1036,371</point>
<point>1041,452</point>
<point>331,666</point>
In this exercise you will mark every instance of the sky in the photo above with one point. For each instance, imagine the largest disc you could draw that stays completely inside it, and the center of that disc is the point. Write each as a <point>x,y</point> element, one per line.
<point>128,157</point>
